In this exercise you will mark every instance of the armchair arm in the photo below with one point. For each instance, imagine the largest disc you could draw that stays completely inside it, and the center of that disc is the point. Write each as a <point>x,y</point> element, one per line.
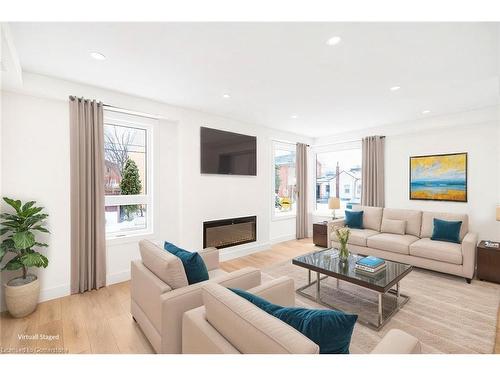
<point>175,303</point>
<point>145,291</point>
<point>280,291</point>
<point>398,342</point>
<point>210,256</point>
<point>469,245</point>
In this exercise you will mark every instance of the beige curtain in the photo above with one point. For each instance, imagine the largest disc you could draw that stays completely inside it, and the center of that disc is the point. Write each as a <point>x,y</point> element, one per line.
<point>88,247</point>
<point>301,176</point>
<point>373,193</point>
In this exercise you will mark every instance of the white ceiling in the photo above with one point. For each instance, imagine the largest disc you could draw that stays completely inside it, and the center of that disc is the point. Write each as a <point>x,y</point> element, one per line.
<point>275,70</point>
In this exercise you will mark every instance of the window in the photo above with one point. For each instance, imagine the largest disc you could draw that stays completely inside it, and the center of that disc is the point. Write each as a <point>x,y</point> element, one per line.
<point>284,179</point>
<point>338,174</point>
<point>127,179</point>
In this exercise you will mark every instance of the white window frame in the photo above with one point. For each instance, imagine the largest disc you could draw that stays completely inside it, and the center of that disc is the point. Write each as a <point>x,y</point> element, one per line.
<point>321,149</point>
<point>118,118</point>
<point>285,146</point>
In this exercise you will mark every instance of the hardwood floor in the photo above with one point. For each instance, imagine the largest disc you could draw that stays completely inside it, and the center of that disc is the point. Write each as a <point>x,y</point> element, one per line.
<point>278,253</point>
<point>100,321</point>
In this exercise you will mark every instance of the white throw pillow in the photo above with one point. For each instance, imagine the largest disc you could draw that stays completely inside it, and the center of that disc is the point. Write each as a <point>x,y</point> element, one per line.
<point>393,226</point>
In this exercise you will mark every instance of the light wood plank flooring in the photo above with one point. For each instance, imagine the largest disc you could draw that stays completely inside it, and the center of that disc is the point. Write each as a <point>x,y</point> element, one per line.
<point>100,321</point>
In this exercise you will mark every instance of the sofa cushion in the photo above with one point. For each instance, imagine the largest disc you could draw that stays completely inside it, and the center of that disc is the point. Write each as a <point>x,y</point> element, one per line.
<point>359,236</point>
<point>194,266</point>
<point>428,222</point>
<point>248,328</point>
<point>354,219</point>
<point>330,329</point>
<point>393,226</point>
<point>395,243</point>
<point>413,219</point>
<point>448,231</point>
<point>372,216</point>
<point>165,266</point>
<point>437,250</point>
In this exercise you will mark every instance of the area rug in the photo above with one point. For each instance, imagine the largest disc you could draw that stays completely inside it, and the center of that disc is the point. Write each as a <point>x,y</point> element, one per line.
<point>445,313</point>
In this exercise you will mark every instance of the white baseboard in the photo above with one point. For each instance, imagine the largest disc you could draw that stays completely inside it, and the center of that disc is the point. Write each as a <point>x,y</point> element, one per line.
<point>118,277</point>
<point>236,252</point>
<point>279,239</point>
<point>47,294</point>
<point>55,292</point>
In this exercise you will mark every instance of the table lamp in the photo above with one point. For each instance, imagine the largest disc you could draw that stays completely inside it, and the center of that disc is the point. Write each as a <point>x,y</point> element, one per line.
<point>498,212</point>
<point>334,204</point>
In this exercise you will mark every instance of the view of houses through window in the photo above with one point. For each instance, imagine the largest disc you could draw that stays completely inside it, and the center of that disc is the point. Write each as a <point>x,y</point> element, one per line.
<point>125,179</point>
<point>284,178</point>
<point>338,174</point>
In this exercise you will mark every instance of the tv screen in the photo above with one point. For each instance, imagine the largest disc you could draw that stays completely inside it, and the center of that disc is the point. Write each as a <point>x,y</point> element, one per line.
<point>228,153</point>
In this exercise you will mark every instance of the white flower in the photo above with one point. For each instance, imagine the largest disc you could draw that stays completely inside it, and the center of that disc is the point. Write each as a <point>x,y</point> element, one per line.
<point>342,234</point>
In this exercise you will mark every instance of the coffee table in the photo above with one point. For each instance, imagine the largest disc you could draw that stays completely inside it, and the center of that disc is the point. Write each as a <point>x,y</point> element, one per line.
<point>385,284</point>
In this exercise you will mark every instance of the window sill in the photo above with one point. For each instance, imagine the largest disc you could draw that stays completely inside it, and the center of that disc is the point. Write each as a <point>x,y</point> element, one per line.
<point>117,239</point>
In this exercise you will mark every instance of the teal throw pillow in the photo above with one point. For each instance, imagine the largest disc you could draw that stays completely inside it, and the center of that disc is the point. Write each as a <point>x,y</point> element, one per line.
<point>448,231</point>
<point>331,330</point>
<point>354,219</point>
<point>194,266</point>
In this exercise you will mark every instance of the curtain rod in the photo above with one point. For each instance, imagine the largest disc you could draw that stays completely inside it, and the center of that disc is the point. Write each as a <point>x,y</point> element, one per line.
<point>288,142</point>
<point>127,111</point>
<point>341,142</point>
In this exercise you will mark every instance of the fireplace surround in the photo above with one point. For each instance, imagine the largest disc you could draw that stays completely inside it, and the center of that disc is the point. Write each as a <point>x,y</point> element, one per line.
<point>229,232</point>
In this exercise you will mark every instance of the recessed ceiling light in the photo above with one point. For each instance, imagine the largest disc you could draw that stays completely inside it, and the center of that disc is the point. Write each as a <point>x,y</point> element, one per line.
<point>334,40</point>
<point>226,96</point>
<point>294,116</point>
<point>395,88</point>
<point>97,56</point>
<point>426,111</point>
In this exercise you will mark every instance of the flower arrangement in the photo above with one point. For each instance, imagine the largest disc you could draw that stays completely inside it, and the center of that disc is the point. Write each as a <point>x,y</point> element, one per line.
<point>343,234</point>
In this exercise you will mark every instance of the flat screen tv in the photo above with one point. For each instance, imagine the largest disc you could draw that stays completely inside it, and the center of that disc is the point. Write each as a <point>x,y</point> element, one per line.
<point>227,153</point>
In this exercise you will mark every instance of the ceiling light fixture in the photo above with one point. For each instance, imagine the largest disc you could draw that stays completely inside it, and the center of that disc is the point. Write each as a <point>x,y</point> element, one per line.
<point>395,88</point>
<point>334,40</point>
<point>97,56</point>
<point>294,116</point>
<point>226,96</point>
<point>426,111</point>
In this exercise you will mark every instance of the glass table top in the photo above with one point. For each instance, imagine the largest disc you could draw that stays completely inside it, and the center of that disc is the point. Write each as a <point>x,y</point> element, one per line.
<point>327,262</point>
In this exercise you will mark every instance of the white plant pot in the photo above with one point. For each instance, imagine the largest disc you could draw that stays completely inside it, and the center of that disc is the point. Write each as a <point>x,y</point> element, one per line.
<point>22,300</point>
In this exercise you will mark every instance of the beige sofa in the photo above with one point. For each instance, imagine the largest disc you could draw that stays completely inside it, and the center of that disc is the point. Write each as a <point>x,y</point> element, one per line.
<point>383,236</point>
<point>229,324</point>
<point>160,293</point>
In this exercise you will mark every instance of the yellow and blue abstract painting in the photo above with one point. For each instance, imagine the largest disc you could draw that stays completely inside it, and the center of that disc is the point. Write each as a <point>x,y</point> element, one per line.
<point>439,177</point>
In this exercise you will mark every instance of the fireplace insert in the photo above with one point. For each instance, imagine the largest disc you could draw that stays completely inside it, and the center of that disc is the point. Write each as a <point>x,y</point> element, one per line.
<point>229,232</point>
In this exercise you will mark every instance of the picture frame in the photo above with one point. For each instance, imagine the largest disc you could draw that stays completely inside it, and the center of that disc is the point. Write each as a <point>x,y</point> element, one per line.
<point>439,177</point>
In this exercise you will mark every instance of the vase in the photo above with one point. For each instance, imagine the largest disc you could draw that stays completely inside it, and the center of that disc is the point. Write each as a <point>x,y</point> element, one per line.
<point>21,295</point>
<point>343,252</point>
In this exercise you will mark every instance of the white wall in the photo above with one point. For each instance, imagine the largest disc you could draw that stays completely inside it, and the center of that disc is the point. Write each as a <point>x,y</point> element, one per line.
<point>36,166</point>
<point>476,132</point>
<point>480,141</point>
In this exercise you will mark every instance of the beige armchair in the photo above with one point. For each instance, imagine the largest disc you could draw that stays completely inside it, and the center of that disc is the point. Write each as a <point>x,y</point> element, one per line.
<point>229,324</point>
<point>160,293</point>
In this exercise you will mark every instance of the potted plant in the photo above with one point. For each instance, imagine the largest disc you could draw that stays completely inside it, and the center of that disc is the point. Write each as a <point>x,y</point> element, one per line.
<point>19,229</point>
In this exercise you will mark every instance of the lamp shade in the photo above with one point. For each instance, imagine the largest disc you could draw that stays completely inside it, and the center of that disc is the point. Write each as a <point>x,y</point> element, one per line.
<point>498,213</point>
<point>333,203</point>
